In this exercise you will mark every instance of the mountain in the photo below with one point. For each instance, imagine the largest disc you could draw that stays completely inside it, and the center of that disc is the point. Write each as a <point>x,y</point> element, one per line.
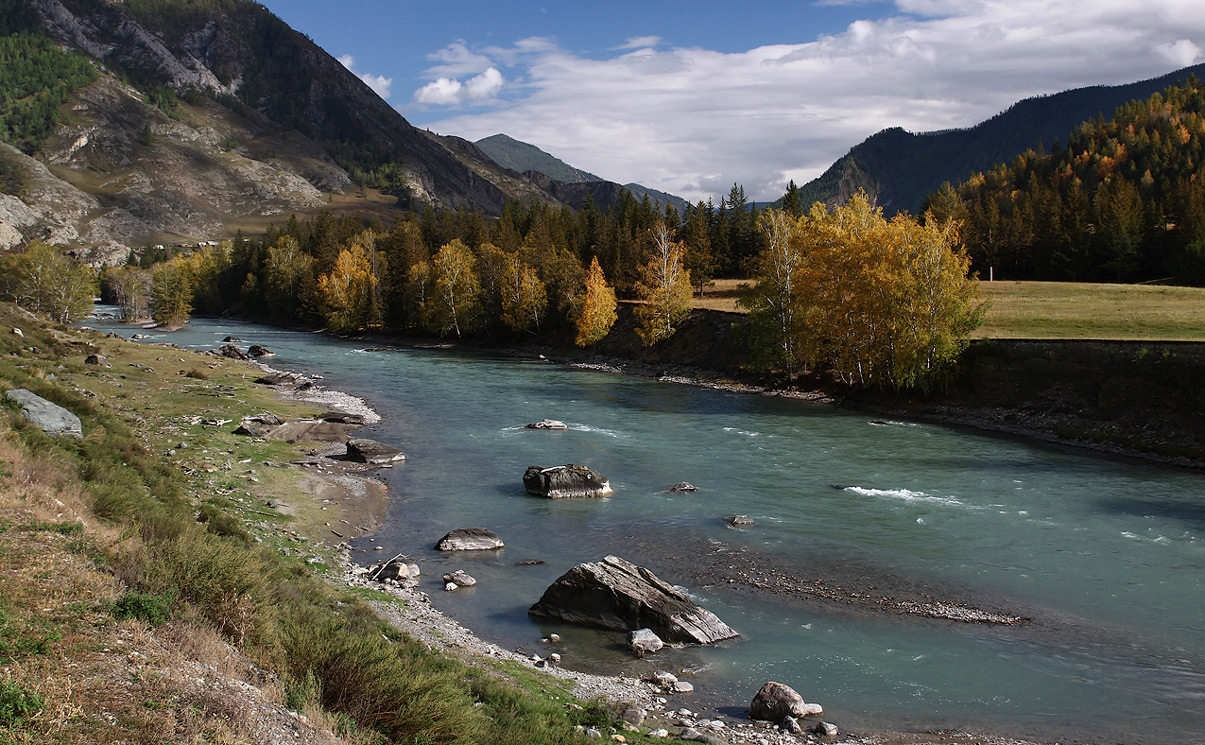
<point>522,157</point>
<point>899,168</point>
<point>182,120</point>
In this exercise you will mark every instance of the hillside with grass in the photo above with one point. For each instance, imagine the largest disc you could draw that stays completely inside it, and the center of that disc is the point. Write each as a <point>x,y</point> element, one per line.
<point>150,591</point>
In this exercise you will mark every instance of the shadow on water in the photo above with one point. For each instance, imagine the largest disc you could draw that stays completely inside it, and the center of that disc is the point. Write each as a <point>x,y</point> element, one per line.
<point>1181,510</point>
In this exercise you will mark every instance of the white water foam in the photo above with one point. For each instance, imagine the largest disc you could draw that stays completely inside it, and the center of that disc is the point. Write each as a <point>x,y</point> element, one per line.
<point>744,432</point>
<point>905,495</point>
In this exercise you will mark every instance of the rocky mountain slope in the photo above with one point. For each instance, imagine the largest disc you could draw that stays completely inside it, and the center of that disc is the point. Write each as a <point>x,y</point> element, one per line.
<point>206,116</point>
<point>899,168</point>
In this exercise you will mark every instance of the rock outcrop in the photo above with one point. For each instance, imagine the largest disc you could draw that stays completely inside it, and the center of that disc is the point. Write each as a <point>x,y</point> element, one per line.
<point>617,594</point>
<point>469,539</point>
<point>46,416</point>
<point>566,482</point>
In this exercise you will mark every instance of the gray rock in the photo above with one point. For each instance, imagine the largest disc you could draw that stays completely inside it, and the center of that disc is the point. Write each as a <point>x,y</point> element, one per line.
<point>692,734</point>
<point>663,678</point>
<point>775,701</point>
<point>660,732</point>
<point>594,733</point>
<point>469,539</point>
<point>372,452</point>
<point>397,569</point>
<point>460,578</point>
<point>683,487</point>
<point>682,687</point>
<point>248,429</point>
<point>738,521</point>
<point>233,352</point>
<point>812,710</point>
<point>791,724</point>
<point>826,729</point>
<point>230,339</point>
<point>634,715</point>
<point>643,641</point>
<point>451,587</point>
<point>268,420</point>
<point>279,378</point>
<point>548,424</point>
<point>97,359</point>
<point>18,332</point>
<point>342,417</point>
<point>257,351</point>
<point>617,594</point>
<point>563,482</point>
<point>49,417</point>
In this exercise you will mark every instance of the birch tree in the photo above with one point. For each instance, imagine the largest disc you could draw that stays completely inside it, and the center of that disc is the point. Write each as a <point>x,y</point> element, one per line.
<point>456,304</point>
<point>663,288</point>
<point>598,308</point>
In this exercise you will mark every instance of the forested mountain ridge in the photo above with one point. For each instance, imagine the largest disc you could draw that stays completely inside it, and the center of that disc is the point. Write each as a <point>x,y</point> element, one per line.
<point>1123,201</point>
<point>899,168</point>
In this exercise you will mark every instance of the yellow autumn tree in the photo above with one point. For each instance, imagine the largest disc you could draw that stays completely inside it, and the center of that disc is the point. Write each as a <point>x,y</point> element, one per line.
<point>524,299</point>
<point>663,288</point>
<point>345,292</point>
<point>775,313</point>
<point>455,303</point>
<point>598,308</point>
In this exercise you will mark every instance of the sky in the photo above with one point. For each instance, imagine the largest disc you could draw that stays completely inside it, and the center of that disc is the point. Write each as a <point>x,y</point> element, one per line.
<point>691,98</point>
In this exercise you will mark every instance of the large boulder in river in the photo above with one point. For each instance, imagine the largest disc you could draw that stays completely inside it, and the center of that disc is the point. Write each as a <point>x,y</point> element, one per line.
<point>566,482</point>
<point>257,351</point>
<point>372,452</point>
<point>46,416</point>
<point>776,701</point>
<point>617,594</point>
<point>469,539</point>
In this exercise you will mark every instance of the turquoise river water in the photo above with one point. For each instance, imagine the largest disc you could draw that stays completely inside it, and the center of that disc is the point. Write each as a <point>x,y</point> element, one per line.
<point>1106,557</point>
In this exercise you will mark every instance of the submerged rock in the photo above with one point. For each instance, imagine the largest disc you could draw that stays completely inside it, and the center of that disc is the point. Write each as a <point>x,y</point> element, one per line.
<point>46,416</point>
<point>643,641</point>
<point>469,539</point>
<point>548,424</point>
<point>372,452</point>
<point>566,482</point>
<point>460,578</point>
<point>683,487</point>
<point>738,521</point>
<point>617,594</point>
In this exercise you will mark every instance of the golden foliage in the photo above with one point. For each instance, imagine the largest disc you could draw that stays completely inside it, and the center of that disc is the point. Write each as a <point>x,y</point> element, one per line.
<point>664,288</point>
<point>345,292</point>
<point>598,308</point>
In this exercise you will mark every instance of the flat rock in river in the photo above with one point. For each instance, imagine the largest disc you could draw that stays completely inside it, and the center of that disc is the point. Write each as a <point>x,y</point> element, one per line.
<point>566,482</point>
<point>617,594</point>
<point>469,539</point>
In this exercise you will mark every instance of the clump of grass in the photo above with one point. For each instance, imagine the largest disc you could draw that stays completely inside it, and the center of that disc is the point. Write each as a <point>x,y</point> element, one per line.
<point>153,608</point>
<point>197,373</point>
<point>17,703</point>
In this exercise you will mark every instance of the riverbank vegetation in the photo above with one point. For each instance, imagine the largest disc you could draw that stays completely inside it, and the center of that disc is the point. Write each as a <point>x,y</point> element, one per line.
<point>147,594</point>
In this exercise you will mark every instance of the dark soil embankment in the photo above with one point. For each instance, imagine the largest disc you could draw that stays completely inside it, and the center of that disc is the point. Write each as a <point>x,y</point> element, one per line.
<point>1144,399</point>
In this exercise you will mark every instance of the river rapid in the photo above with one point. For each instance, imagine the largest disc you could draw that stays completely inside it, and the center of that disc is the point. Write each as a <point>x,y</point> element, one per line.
<point>857,520</point>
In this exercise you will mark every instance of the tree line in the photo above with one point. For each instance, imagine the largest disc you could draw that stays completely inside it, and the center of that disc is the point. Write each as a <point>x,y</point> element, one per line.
<point>1124,201</point>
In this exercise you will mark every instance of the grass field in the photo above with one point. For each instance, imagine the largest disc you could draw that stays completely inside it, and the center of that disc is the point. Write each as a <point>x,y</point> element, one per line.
<point>1062,310</point>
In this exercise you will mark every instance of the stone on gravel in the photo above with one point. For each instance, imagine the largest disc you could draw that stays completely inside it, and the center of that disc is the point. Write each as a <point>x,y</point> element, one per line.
<point>662,678</point>
<point>617,594</point>
<point>826,729</point>
<point>566,482</point>
<point>791,724</point>
<point>548,424</point>
<point>397,569</point>
<point>776,701</point>
<point>469,539</point>
<point>643,641</point>
<point>682,687</point>
<point>372,452</point>
<point>49,417</point>
<point>460,577</point>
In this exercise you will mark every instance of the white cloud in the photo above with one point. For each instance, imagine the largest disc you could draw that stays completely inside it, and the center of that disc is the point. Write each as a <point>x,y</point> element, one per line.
<point>640,42</point>
<point>446,91</point>
<point>693,121</point>
<point>379,83</point>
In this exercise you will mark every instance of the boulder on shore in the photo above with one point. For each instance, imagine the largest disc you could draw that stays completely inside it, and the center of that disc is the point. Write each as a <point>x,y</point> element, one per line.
<point>49,417</point>
<point>257,351</point>
<point>548,424</point>
<point>617,594</point>
<point>566,482</point>
<point>469,539</point>
<point>233,352</point>
<point>372,452</point>
<point>775,702</point>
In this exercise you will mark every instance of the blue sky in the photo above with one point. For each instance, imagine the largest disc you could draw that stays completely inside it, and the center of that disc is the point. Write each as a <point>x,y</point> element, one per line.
<point>693,97</point>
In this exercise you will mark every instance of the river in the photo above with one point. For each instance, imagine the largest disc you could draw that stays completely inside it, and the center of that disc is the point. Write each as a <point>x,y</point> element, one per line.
<point>1104,558</point>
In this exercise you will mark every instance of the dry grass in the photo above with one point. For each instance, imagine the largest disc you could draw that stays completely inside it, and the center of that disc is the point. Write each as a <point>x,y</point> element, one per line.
<point>1060,310</point>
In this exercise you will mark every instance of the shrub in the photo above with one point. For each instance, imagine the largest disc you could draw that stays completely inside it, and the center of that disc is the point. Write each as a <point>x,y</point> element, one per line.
<point>155,609</point>
<point>17,703</point>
